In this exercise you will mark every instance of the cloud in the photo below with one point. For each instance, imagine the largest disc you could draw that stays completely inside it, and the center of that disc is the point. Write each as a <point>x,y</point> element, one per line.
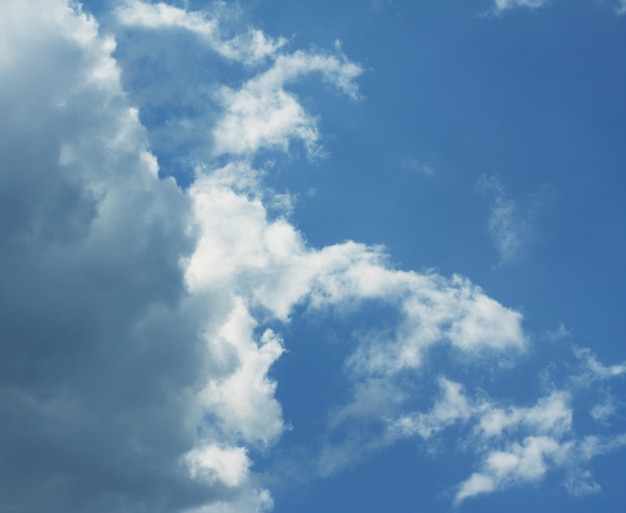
<point>551,414</point>
<point>504,5</point>
<point>414,165</point>
<point>251,47</point>
<point>551,445</point>
<point>516,445</point>
<point>581,484</point>
<point>519,463</point>
<point>509,226</point>
<point>604,410</point>
<point>141,319</point>
<point>229,466</point>
<point>263,115</point>
<point>561,332</point>
<point>137,358</point>
<point>593,369</point>
<point>453,407</point>
<point>107,354</point>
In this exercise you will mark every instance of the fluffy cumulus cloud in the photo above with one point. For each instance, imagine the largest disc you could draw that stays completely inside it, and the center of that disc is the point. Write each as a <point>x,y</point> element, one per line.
<point>141,318</point>
<point>262,114</point>
<point>107,367</point>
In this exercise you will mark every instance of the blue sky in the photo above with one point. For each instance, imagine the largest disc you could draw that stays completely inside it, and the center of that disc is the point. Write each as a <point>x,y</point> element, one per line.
<point>312,256</point>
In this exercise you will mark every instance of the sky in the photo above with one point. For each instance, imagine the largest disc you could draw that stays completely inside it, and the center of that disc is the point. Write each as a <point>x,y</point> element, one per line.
<point>313,256</point>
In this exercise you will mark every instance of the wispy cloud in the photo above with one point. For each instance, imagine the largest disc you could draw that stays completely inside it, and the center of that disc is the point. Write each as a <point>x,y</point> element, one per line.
<point>504,5</point>
<point>594,370</point>
<point>414,165</point>
<point>251,47</point>
<point>559,333</point>
<point>513,444</point>
<point>510,226</point>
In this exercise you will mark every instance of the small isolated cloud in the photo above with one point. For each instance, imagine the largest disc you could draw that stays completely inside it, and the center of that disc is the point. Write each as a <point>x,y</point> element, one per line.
<point>510,225</point>
<point>559,333</point>
<point>501,6</point>
<point>593,370</point>
<point>621,9</point>
<point>380,4</point>
<point>415,166</point>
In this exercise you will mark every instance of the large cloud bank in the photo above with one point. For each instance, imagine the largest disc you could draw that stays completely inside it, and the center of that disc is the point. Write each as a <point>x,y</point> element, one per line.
<point>135,343</point>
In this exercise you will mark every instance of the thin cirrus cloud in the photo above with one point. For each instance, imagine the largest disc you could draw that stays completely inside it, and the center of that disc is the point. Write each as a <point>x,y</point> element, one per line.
<point>141,319</point>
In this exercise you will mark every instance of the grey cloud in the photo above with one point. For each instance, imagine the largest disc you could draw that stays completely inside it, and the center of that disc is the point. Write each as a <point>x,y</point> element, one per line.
<point>102,347</point>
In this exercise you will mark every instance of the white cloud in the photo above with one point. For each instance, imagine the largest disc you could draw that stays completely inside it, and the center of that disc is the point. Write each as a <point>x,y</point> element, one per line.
<point>453,407</point>
<point>519,463</point>
<point>593,369</point>
<point>262,114</point>
<point>251,47</point>
<point>138,353</point>
<point>244,400</point>
<point>604,410</point>
<point>529,462</point>
<point>552,445</point>
<point>561,332</point>
<point>552,414</point>
<point>504,5</point>
<point>509,228</point>
<point>621,9</point>
<point>581,483</point>
<point>414,165</point>
<point>516,445</point>
<point>136,298</point>
<point>230,465</point>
